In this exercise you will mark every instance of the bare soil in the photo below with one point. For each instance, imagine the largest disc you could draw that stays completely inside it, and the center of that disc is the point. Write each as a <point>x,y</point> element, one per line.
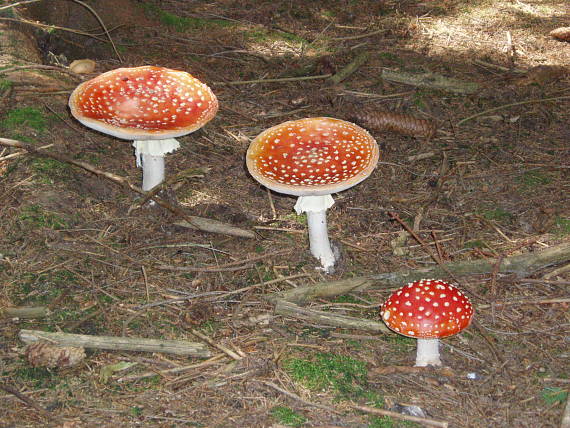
<point>493,185</point>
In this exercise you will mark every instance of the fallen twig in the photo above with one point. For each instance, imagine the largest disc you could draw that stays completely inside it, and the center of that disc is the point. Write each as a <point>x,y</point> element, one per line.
<point>177,347</point>
<point>296,397</point>
<point>483,113</point>
<point>359,60</point>
<point>430,80</point>
<point>232,266</point>
<point>289,309</point>
<point>24,312</point>
<point>521,265</point>
<point>425,421</point>
<point>210,362</point>
<point>222,348</point>
<point>565,422</point>
<point>27,400</point>
<point>282,79</point>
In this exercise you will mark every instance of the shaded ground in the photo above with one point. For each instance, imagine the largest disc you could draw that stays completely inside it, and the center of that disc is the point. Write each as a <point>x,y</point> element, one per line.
<point>495,185</point>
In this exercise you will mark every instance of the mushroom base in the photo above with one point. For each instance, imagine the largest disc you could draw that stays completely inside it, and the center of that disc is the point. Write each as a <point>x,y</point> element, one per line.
<point>428,353</point>
<point>153,171</point>
<point>316,209</point>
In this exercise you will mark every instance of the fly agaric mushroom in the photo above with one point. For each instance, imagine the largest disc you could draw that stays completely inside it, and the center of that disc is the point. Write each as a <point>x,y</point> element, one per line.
<point>427,310</point>
<point>150,105</point>
<point>312,158</point>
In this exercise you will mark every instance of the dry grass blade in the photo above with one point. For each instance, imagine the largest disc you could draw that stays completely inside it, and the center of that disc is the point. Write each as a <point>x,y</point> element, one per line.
<point>395,122</point>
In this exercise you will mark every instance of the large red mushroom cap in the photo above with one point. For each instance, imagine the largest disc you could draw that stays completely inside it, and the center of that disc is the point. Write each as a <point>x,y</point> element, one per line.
<point>428,308</point>
<point>312,157</point>
<point>144,103</point>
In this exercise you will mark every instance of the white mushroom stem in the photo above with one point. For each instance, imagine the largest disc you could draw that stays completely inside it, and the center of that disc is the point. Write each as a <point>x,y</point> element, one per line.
<point>316,209</point>
<point>428,353</point>
<point>150,156</point>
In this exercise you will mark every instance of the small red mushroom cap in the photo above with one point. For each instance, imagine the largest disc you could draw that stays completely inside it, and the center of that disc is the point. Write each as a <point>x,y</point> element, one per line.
<point>144,103</point>
<point>428,308</point>
<point>312,157</point>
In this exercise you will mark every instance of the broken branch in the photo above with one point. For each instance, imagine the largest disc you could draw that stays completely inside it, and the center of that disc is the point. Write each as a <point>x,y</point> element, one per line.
<point>177,347</point>
<point>521,265</point>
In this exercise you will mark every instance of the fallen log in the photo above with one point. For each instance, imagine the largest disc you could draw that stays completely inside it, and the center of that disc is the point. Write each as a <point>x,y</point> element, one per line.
<point>430,80</point>
<point>115,343</point>
<point>24,312</point>
<point>521,265</point>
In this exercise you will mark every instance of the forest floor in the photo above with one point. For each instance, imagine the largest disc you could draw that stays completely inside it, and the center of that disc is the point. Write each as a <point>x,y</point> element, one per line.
<point>493,182</point>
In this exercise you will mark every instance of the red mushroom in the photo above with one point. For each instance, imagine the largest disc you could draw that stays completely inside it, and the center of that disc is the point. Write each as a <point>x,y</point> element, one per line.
<point>427,310</point>
<point>312,158</point>
<point>150,105</point>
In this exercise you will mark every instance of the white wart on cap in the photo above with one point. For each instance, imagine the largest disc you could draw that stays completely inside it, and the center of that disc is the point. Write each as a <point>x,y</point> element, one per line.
<point>313,156</point>
<point>144,103</point>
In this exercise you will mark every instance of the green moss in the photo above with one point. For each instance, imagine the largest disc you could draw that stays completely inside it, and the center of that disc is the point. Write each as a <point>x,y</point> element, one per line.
<point>552,395</point>
<point>35,216</point>
<point>26,116</point>
<point>182,24</point>
<point>5,84</point>
<point>475,243</point>
<point>50,170</point>
<point>288,417</point>
<point>533,178</point>
<point>497,214</point>
<point>40,377</point>
<point>562,226</point>
<point>341,374</point>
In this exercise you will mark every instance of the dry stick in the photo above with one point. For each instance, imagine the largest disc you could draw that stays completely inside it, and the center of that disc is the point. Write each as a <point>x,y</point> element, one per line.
<point>282,79</point>
<point>214,360</point>
<point>542,100</point>
<point>27,400</point>
<point>430,80</point>
<point>177,347</point>
<point>527,302</point>
<point>20,3</point>
<point>428,250</point>
<point>222,348</point>
<point>42,67</point>
<point>53,27</point>
<point>289,309</point>
<point>296,397</point>
<point>200,223</point>
<point>241,264</point>
<point>565,422</point>
<point>350,68</point>
<point>521,265</point>
<point>24,312</point>
<point>361,36</point>
<point>425,421</point>
<point>90,9</point>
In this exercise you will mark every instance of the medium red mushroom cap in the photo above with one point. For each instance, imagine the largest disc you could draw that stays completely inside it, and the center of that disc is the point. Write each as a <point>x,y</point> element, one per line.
<point>144,103</point>
<point>428,308</point>
<point>312,157</point>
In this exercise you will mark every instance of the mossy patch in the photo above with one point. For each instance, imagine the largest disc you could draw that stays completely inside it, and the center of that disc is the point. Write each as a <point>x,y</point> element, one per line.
<point>183,24</point>
<point>35,216</point>
<point>288,417</point>
<point>343,375</point>
<point>24,117</point>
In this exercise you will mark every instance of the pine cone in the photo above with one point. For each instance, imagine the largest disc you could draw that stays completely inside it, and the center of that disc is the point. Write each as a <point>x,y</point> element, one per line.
<point>44,354</point>
<point>562,33</point>
<point>396,122</point>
